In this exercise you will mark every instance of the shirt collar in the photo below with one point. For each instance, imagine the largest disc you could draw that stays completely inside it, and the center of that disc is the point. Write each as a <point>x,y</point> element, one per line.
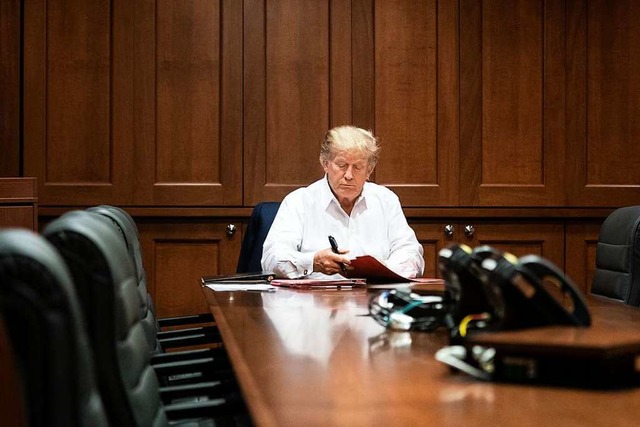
<point>327,196</point>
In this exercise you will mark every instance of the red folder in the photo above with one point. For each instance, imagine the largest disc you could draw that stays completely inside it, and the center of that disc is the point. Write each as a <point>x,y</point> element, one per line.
<point>374,271</point>
<point>319,283</point>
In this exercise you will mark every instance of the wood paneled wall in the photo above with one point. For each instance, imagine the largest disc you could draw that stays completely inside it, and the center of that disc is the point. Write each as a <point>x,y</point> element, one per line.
<point>490,103</point>
<point>177,255</point>
<point>134,103</point>
<point>10,84</point>
<point>512,138</point>
<point>603,101</point>
<point>19,203</point>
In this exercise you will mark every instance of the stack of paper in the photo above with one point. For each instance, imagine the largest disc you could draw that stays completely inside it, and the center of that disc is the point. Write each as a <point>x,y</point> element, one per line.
<point>251,287</point>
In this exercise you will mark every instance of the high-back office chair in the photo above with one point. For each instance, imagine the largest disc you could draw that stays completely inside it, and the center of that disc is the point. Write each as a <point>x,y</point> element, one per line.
<point>146,310</point>
<point>158,340</point>
<point>258,227</point>
<point>105,279</point>
<point>47,333</point>
<point>175,367</point>
<point>12,405</point>
<point>617,274</point>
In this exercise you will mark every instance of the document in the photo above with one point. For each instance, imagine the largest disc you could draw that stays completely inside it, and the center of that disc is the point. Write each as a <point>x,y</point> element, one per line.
<point>374,271</point>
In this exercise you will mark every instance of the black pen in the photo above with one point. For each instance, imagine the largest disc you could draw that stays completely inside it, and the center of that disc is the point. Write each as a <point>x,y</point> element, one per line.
<point>334,248</point>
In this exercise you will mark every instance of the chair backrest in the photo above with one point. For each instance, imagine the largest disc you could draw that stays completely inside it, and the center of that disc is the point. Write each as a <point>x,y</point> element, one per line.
<point>106,284</point>
<point>127,227</point>
<point>260,222</point>
<point>617,274</point>
<point>47,333</point>
<point>12,405</point>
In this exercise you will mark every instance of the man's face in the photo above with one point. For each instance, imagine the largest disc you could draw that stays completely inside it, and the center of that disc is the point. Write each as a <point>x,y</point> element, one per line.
<point>347,173</point>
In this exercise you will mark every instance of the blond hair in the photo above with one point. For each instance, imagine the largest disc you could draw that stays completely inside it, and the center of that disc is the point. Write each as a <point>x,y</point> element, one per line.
<point>350,139</point>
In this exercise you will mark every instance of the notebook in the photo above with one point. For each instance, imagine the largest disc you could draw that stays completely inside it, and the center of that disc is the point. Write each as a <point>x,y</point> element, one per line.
<point>246,278</point>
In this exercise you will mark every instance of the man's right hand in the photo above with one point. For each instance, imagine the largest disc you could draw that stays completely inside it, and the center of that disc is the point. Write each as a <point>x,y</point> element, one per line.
<point>327,262</point>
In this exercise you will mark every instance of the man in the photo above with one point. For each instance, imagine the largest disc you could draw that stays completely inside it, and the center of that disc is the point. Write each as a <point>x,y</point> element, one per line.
<point>363,217</point>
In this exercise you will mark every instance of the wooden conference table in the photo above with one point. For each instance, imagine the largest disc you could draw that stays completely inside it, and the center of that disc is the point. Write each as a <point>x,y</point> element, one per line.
<point>314,358</point>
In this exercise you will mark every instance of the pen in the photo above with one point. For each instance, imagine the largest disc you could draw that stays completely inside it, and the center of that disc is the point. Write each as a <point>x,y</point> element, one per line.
<point>334,248</point>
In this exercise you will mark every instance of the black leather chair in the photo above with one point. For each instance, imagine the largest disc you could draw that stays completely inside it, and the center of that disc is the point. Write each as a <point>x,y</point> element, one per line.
<point>106,283</point>
<point>12,406</point>
<point>47,334</point>
<point>258,227</point>
<point>159,340</point>
<point>617,274</point>
<point>177,367</point>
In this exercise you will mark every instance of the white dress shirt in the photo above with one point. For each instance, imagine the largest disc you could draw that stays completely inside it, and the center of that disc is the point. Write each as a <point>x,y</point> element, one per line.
<point>308,216</point>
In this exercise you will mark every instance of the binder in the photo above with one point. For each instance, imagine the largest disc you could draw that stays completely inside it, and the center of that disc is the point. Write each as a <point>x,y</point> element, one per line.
<point>246,278</point>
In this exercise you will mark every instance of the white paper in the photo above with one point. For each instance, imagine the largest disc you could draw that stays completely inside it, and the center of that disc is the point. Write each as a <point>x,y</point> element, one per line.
<point>242,287</point>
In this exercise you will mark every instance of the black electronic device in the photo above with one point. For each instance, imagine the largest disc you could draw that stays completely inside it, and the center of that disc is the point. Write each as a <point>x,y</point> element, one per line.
<point>403,310</point>
<point>489,290</point>
<point>465,294</point>
<point>535,330</point>
<point>523,299</point>
<point>595,357</point>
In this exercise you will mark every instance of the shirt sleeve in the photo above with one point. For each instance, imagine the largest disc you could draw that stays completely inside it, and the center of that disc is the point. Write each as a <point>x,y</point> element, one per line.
<point>405,253</point>
<point>281,250</point>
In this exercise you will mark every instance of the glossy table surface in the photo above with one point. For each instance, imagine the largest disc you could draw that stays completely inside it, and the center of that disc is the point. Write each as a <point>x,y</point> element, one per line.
<point>315,358</point>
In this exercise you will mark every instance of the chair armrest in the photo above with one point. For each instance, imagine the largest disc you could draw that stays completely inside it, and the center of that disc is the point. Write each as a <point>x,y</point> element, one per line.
<point>192,336</point>
<point>186,320</point>
<point>177,333</point>
<point>210,389</point>
<point>205,367</point>
<point>177,356</point>
<point>214,408</point>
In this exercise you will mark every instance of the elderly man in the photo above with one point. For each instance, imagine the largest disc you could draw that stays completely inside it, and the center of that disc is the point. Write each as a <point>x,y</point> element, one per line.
<point>365,218</point>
